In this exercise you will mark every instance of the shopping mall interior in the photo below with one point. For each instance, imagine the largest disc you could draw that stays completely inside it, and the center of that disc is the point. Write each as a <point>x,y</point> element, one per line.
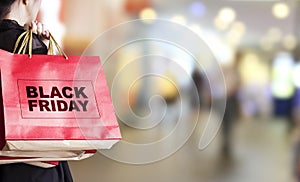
<point>204,90</point>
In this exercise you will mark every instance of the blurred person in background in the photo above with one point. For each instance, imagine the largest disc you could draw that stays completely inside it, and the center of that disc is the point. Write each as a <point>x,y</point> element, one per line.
<point>199,81</point>
<point>214,88</point>
<point>232,107</point>
<point>15,15</point>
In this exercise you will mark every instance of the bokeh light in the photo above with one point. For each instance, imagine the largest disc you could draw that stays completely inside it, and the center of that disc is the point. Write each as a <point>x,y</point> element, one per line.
<point>236,32</point>
<point>296,75</point>
<point>253,69</point>
<point>275,34</point>
<point>289,42</point>
<point>266,44</point>
<point>148,13</point>
<point>227,15</point>
<point>197,9</point>
<point>282,81</point>
<point>219,24</point>
<point>221,50</point>
<point>281,10</point>
<point>224,18</point>
<point>239,27</point>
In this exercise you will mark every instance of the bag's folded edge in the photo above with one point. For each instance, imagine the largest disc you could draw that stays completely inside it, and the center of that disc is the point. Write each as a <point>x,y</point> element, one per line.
<point>53,145</point>
<point>10,160</point>
<point>43,164</point>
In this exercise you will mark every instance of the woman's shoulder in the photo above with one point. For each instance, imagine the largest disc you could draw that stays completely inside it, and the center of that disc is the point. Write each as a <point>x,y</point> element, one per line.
<point>7,24</point>
<point>10,30</point>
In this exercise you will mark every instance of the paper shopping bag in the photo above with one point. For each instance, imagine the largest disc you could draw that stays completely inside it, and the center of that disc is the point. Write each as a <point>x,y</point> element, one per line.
<point>51,103</point>
<point>9,158</point>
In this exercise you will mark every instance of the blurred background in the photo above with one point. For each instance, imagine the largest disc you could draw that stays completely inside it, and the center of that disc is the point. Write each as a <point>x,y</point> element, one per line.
<point>256,44</point>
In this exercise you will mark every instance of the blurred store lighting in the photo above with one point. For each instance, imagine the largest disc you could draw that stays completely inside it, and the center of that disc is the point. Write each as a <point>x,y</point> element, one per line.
<point>296,75</point>
<point>275,34</point>
<point>266,44</point>
<point>224,18</point>
<point>252,69</point>
<point>227,15</point>
<point>179,19</point>
<point>282,82</point>
<point>219,24</point>
<point>197,9</point>
<point>239,27</point>
<point>289,42</point>
<point>222,51</point>
<point>281,10</point>
<point>236,33</point>
<point>148,13</point>
<point>254,89</point>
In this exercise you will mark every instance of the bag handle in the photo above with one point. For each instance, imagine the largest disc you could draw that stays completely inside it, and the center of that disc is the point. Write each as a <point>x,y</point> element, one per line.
<point>52,44</point>
<point>27,42</point>
<point>26,36</point>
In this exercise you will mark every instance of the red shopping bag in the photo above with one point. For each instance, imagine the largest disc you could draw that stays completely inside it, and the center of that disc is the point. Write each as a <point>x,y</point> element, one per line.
<point>51,103</point>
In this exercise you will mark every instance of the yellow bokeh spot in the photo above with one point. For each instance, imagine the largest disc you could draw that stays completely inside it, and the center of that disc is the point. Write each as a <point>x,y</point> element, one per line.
<point>227,15</point>
<point>148,13</point>
<point>281,10</point>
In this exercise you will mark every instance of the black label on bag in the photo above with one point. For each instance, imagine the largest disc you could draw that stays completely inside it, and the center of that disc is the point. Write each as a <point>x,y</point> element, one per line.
<point>57,99</point>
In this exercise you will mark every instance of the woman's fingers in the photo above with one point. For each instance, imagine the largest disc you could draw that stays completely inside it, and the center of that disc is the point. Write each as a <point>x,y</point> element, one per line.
<point>39,29</point>
<point>33,27</point>
<point>45,32</point>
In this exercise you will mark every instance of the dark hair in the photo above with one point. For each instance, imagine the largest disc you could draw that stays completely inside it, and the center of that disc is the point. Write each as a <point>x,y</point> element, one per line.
<point>5,6</point>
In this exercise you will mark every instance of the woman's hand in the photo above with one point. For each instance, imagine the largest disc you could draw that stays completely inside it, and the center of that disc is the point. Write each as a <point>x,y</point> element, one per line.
<point>39,29</point>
